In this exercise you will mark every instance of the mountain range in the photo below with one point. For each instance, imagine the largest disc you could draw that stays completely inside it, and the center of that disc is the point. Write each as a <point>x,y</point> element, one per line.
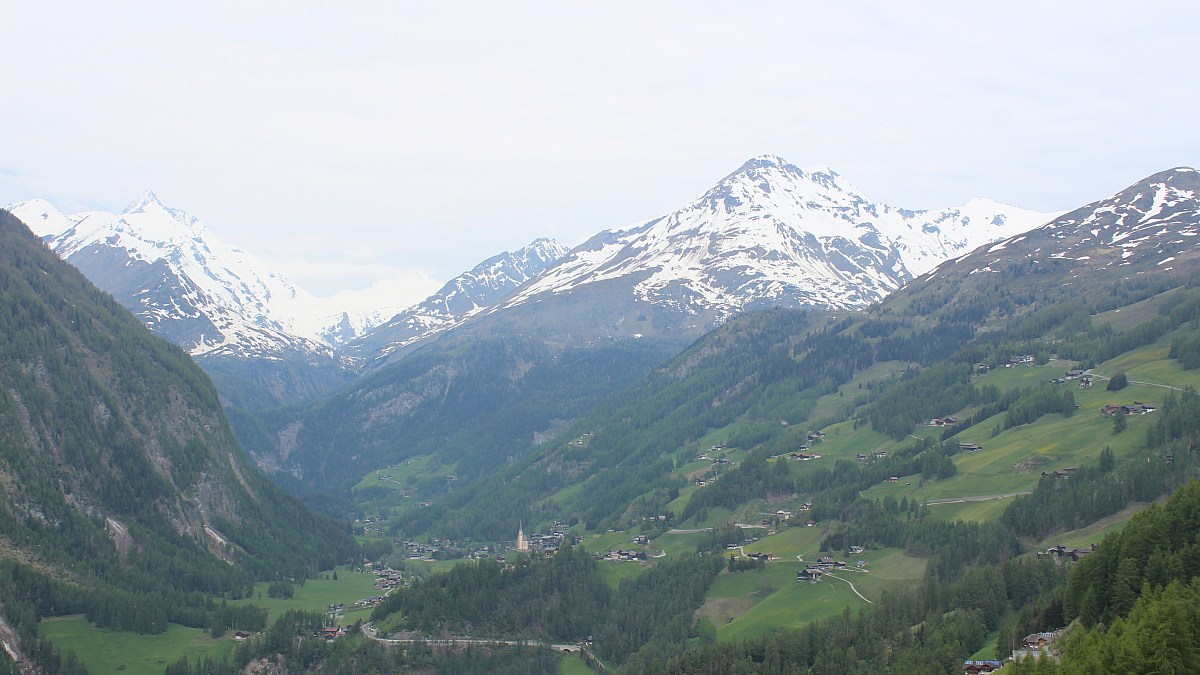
<point>187,285</point>
<point>503,343</point>
<point>755,384</point>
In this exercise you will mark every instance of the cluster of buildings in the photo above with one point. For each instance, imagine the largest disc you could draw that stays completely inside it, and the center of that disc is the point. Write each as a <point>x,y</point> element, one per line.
<point>1060,552</point>
<point>977,667</point>
<point>549,542</point>
<point>1136,408</point>
<point>620,555</point>
<point>824,564</point>
<point>387,578</point>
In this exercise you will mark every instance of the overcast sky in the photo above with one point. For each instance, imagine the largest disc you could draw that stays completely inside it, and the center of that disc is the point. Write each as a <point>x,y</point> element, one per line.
<point>346,141</point>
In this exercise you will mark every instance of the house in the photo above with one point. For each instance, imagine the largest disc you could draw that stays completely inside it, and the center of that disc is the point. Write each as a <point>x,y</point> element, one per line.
<point>859,457</point>
<point>881,454</point>
<point>969,447</point>
<point>1074,374</point>
<point>641,539</point>
<point>855,550</point>
<point>810,575</point>
<point>241,635</point>
<point>975,667</point>
<point>1041,640</point>
<point>810,523</point>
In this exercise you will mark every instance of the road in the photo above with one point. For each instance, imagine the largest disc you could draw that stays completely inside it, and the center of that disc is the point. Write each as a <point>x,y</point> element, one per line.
<point>864,598</point>
<point>369,631</point>
<point>979,498</point>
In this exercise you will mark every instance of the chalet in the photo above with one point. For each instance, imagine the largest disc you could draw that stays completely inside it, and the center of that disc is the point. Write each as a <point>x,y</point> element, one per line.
<point>1018,360</point>
<point>803,456</point>
<point>641,539</point>
<point>1041,640</point>
<point>1074,374</point>
<point>859,457</point>
<point>814,436</point>
<point>855,550</point>
<point>810,575</point>
<point>881,454</point>
<point>1085,381</point>
<point>241,635</point>
<point>1073,553</point>
<point>969,447</point>
<point>810,523</point>
<point>826,561</point>
<point>976,667</point>
<point>893,479</point>
<point>1136,408</point>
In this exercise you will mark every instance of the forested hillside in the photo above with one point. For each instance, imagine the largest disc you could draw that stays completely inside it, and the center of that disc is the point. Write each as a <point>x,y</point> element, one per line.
<point>125,496</point>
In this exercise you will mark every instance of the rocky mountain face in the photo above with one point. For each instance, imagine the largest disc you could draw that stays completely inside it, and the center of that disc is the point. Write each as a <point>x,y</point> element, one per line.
<point>265,340</point>
<point>119,472</point>
<point>1150,228</point>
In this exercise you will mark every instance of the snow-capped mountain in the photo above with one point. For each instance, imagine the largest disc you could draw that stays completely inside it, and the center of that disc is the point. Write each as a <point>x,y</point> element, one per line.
<point>1153,224</point>
<point>774,234</point>
<point>212,299</point>
<point>462,297</point>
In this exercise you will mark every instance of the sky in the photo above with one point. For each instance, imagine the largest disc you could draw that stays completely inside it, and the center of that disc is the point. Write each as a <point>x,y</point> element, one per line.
<point>345,142</point>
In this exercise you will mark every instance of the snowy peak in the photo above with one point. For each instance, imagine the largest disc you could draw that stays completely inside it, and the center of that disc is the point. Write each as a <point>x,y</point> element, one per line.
<point>1154,223</point>
<point>462,297</point>
<point>771,233</point>
<point>40,216</point>
<point>186,284</point>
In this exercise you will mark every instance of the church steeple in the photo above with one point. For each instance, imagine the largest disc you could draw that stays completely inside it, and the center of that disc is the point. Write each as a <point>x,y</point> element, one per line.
<point>522,545</point>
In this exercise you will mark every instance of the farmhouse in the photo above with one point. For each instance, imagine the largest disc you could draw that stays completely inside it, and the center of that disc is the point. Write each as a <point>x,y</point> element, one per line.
<point>811,575</point>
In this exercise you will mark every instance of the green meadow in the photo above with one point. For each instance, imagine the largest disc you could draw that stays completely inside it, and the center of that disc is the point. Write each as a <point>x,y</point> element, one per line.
<point>316,594</point>
<point>113,651</point>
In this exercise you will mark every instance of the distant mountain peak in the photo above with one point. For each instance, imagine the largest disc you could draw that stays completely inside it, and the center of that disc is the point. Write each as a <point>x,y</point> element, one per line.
<point>771,233</point>
<point>142,201</point>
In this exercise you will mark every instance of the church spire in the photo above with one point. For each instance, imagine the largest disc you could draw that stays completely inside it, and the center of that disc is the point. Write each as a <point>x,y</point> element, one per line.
<point>522,545</point>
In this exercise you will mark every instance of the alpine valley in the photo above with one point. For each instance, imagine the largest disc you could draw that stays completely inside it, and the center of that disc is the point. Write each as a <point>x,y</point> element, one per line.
<point>782,429</point>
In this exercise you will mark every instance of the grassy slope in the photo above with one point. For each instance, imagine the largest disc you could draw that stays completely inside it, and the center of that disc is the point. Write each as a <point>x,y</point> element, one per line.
<point>110,651</point>
<point>750,604</point>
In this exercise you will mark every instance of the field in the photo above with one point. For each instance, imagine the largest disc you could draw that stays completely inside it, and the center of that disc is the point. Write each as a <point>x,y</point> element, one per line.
<point>113,651</point>
<point>317,594</point>
<point>110,651</point>
<point>407,473</point>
